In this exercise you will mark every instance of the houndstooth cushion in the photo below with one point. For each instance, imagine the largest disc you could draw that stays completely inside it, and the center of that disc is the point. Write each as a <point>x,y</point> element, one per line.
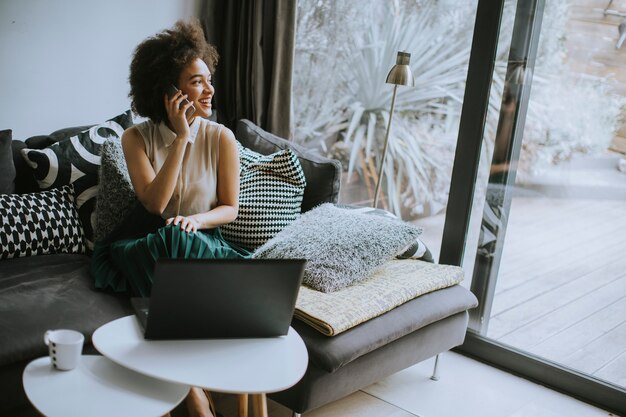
<point>40,223</point>
<point>76,161</point>
<point>270,196</point>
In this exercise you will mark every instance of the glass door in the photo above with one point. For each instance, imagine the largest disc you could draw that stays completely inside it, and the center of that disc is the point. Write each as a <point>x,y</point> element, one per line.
<point>545,232</point>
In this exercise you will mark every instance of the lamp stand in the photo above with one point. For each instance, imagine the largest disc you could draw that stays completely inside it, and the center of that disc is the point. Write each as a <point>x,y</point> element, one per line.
<point>382,162</point>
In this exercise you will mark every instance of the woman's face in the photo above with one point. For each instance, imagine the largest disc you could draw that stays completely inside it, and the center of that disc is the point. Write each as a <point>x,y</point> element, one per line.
<point>195,81</point>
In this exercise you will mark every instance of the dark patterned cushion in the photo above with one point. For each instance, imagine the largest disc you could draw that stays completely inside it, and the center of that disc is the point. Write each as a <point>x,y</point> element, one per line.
<point>40,223</point>
<point>42,141</point>
<point>76,161</point>
<point>270,196</point>
<point>24,179</point>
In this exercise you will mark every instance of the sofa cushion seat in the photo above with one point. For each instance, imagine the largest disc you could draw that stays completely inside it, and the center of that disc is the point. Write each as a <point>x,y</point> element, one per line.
<point>39,293</point>
<point>331,353</point>
<point>391,285</point>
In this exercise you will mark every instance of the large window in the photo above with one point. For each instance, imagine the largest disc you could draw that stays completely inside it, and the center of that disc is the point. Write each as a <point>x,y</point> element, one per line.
<point>507,151</point>
<point>556,227</point>
<point>342,103</point>
<point>547,224</point>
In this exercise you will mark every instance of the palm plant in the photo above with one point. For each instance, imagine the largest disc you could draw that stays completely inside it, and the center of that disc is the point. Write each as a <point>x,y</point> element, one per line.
<point>322,45</point>
<point>439,62</point>
<point>349,105</point>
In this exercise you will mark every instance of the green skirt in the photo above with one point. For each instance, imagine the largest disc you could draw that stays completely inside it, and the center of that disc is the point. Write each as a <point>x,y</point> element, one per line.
<point>124,261</point>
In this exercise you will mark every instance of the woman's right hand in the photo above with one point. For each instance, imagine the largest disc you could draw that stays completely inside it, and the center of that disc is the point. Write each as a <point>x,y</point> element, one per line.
<point>176,113</point>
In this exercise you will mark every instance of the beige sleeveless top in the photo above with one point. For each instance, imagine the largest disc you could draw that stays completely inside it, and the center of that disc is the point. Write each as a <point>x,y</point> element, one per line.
<point>196,188</point>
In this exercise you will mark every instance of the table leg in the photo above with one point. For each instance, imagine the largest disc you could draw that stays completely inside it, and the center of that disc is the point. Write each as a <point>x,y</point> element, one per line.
<point>259,403</point>
<point>243,405</point>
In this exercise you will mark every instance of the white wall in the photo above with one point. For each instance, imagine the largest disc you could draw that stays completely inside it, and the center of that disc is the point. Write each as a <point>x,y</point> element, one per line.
<point>65,62</point>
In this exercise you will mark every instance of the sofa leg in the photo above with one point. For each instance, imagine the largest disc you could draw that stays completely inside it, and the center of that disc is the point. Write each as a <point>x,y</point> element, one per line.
<point>435,375</point>
<point>294,414</point>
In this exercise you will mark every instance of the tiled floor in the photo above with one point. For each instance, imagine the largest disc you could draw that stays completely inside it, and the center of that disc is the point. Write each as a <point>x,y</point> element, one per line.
<point>466,388</point>
<point>470,388</point>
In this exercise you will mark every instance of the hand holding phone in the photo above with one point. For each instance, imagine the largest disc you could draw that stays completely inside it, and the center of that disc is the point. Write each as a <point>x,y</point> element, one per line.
<point>171,92</point>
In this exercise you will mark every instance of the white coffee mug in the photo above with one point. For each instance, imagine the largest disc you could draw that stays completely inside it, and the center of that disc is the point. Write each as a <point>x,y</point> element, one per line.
<point>64,348</point>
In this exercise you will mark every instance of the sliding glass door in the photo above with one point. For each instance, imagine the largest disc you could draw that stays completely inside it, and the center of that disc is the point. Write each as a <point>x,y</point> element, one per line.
<point>540,218</point>
<point>506,151</point>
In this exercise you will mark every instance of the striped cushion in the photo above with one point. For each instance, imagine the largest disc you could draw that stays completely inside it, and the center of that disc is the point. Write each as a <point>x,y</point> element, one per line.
<point>76,161</point>
<point>270,196</point>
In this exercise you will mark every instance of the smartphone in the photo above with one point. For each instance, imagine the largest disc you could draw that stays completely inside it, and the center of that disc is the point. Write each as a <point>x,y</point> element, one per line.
<point>171,91</point>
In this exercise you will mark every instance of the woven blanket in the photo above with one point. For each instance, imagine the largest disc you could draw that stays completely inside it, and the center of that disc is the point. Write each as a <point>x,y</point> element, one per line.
<point>394,283</point>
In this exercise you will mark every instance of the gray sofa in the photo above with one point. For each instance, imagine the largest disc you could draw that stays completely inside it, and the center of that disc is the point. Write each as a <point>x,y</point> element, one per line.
<point>55,291</point>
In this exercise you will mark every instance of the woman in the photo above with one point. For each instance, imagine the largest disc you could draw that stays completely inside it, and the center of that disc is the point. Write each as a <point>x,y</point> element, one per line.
<point>183,167</point>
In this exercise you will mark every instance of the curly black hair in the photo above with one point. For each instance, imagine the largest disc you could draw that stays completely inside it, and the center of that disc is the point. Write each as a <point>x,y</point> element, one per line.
<point>158,62</point>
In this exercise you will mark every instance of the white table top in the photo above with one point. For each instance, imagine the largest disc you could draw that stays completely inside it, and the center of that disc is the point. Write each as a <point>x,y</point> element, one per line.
<point>251,366</point>
<point>98,387</point>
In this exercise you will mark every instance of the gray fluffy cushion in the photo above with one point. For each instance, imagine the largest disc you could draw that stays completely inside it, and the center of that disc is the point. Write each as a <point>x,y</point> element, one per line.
<point>342,247</point>
<point>116,196</point>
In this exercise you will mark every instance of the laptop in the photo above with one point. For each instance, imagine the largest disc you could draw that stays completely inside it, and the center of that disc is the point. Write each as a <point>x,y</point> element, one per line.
<point>220,298</point>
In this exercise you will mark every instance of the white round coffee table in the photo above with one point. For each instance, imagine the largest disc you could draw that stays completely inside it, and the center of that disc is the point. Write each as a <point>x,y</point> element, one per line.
<point>255,366</point>
<point>98,387</point>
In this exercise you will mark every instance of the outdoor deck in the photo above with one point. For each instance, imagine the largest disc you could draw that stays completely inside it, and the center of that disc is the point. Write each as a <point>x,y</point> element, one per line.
<point>561,291</point>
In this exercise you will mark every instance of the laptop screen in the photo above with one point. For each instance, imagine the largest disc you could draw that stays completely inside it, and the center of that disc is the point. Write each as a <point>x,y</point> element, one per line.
<point>223,298</point>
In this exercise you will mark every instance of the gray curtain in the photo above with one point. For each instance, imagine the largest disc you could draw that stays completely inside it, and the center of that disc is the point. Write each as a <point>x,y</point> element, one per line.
<point>255,40</point>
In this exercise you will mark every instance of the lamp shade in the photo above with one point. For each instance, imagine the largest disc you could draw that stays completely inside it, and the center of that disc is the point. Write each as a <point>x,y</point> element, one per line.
<point>400,73</point>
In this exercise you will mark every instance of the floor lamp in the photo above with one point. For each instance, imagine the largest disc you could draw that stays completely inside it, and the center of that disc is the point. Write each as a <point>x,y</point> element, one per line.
<point>400,74</point>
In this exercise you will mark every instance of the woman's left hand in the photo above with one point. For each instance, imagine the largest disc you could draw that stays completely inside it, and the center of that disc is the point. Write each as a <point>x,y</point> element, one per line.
<point>187,224</point>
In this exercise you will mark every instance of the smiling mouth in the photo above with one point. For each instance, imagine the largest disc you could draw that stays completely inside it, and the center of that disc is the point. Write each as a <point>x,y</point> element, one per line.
<point>205,102</point>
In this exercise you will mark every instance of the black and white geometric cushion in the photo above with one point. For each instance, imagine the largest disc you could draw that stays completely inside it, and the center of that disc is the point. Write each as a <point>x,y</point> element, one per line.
<point>75,161</point>
<point>270,196</point>
<point>40,223</point>
<point>416,250</point>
